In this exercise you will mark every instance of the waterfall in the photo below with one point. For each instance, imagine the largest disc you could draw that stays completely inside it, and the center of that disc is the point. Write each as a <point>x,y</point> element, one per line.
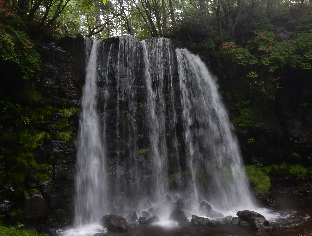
<point>214,160</point>
<point>153,130</point>
<point>90,176</point>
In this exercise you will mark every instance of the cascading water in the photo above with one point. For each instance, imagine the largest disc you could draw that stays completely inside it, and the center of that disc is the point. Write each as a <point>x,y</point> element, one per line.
<point>217,174</point>
<point>90,177</point>
<point>153,130</point>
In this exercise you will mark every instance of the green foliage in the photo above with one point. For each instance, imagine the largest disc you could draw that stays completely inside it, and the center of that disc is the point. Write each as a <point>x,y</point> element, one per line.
<point>15,45</point>
<point>250,141</point>
<point>259,178</point>
<point>143,150</point>
<point>297,171</point>
<point>243,116</point>
<point>259,175</point>
<point>15,231</point>
<point>264,55</point>
<point>22,130</point>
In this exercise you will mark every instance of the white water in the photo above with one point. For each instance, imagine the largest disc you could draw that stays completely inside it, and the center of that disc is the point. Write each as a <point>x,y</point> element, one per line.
<point>214,156</point>
<point>139,119</point>
<point>90,174</point>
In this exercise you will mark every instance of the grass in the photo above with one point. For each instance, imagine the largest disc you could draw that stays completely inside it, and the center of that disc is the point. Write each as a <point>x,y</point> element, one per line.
<point>15,231</point>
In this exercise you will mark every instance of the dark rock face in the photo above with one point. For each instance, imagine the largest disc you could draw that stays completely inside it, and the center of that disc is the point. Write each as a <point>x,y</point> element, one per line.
<point>5,206</point>
<point>114,223</point>
<point>36,206</point>
<point>284,134</point>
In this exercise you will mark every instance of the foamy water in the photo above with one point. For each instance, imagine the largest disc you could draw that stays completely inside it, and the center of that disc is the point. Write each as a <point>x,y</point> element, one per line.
<point>85,230</point>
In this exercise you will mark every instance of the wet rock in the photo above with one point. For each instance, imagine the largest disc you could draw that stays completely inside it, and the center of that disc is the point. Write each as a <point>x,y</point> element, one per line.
<point>180,203</point>
<point>205,208</point>
<point>114,223</point>
<point>243,223</point>
<point>5,206</point>
<point>253,219</point>
<point>142,220</point>
<point>132,216</point>
<point>36,206</point>
<point>235,220</point>
<point>215,214</point>
<point>196,220</point>
<point>179,216</point>
<point>225,220</point>
<point>153,220</point>
<point>145,214</point>
<point>248,215</point>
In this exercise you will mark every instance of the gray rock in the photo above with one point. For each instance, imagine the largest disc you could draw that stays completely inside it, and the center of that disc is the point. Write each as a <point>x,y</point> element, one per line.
<point>114,223</point>
<point>179,216</point>
<point>215,214</point>
<point>235,220</point>
<point>142,220</point>
<point>196,220</point>
<point>132,216</point>
<point>180,203</point>
<point>145,214</point>
<point>253,219</point>
<point>153,220</point>
<point>205,208</point>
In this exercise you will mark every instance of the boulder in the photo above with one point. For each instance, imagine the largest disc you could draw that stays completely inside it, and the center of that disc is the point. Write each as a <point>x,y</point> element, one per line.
<point>114,223</point>
<point>179,216</point>
<point>180,203</point>
<point>196,220</point>
<point>132,216</point>
<point>253,219</point>
<point>145,214</point>
<point>235,220</point>
<point>153,220</point>
<point>215,214</point>
<point>205,208</point>
<point>142,220</point>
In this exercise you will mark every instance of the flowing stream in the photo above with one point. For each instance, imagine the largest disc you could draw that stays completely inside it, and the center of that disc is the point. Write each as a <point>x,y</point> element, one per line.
<point>153,130</point>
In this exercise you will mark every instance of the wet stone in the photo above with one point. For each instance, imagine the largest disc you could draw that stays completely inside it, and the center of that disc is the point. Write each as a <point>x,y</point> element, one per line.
<point>114,223</point>
<point>132,216</point>
<point>235,220</point>
<point>142,220</point>
<point>196,220</point>
<point>152,220</point>
<point>179,216</point>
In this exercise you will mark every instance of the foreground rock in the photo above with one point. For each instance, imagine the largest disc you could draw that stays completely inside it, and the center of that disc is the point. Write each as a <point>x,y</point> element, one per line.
<point>132,217</point>
<point>253,219</point>
<point>152,220</point>
<point>179,216</point>
<point>196,220</point>
<point>114,223</point>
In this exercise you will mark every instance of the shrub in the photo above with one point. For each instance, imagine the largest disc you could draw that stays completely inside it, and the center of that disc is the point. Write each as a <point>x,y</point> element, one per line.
<point>259,178</point>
